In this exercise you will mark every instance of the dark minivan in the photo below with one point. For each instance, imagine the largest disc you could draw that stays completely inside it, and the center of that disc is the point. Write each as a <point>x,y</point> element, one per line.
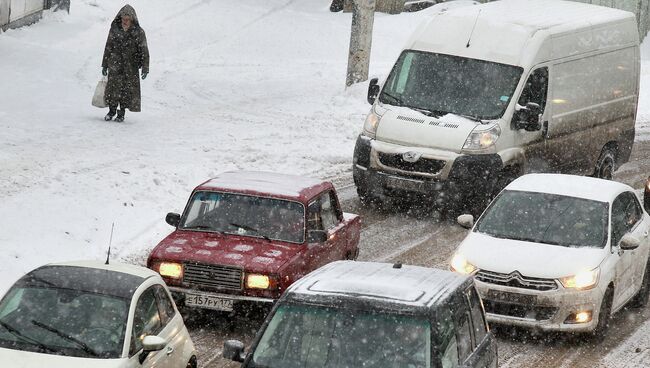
<point>362,314</point>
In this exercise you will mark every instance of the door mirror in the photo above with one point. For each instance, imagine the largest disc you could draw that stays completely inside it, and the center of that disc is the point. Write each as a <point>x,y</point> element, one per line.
<point>527,117</point>
<point>234,350</point>
<point>153,343</point>
<point>316,236</point>
<point>173,219</point>
<point>646,196</point>
<point>466,221</point>
<point>373,90</point>
<point>629,242</point>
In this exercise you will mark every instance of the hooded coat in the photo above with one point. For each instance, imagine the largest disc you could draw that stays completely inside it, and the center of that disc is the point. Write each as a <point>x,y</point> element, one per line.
<point>124,54</point>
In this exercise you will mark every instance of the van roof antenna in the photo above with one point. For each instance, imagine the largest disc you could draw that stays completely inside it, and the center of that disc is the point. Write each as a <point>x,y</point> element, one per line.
<point>110,241</point>
<point>473,27</point>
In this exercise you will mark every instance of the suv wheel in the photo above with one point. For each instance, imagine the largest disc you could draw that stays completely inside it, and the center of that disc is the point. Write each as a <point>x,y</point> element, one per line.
<point>606,164</point>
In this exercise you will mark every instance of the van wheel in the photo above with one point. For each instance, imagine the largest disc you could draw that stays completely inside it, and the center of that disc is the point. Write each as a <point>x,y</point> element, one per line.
<point>604,315</point>
<point>192,362</point>
<point>641,298</point>
<point>605,164</point>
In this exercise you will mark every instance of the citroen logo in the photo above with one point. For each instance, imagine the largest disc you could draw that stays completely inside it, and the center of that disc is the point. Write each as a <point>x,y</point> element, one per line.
<point>411,156</point>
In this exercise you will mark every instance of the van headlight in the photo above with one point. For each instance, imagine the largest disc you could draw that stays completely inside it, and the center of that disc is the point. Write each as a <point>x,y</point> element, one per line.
<point>582,280</point>
<point>371,123</point>
<point>482,138</point>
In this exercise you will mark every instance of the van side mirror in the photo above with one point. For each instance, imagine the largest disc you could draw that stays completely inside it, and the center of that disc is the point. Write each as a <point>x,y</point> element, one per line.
<point>373,90</point>
<point>629,242</point>
<point>316,236</point>
<point>173,219</point>
<point>527,117</point>
<point>646,196</point>
<point>466,221</point>
<point>150,344</point>
<point>234,350</point>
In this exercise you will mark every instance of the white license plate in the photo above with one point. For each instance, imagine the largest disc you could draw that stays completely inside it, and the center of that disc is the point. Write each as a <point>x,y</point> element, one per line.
<point>396,183</point>
<point>209,302</point>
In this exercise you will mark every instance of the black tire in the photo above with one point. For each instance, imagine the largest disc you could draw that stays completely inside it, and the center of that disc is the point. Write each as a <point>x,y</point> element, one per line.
<point>192,362</point>
<point>606,164</point>
<point>640,300</point>
<point>336,6</point>
<point>605,313</point>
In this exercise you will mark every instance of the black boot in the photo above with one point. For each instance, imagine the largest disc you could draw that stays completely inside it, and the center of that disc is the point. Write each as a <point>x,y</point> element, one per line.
<point>120,115</point>
<point>111,112</point>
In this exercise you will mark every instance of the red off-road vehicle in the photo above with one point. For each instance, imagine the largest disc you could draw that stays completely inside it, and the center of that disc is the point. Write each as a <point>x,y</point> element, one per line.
<point>247,236</point>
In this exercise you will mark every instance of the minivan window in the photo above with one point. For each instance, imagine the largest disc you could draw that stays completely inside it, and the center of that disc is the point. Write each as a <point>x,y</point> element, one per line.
<point>312,336</point>
<point>546,218</point>
<point>445,84</point>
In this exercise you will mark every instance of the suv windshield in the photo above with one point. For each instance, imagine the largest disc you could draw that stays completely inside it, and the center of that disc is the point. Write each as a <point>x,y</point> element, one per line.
<point>315,337</point>
<point>247,215</point>
<point>546,218</point>
<point>442,84</point>
<point>63,322</point>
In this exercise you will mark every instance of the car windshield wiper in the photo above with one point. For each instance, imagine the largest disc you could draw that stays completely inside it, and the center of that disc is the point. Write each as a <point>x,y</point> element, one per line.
<point>200,227</point>
<point>250,228</point>
<point>14,331</point>
<point>82,344</point>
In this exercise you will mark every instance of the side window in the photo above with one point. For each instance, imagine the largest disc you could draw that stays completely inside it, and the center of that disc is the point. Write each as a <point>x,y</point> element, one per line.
<point>478,321</point>
<point>464,338</point>
<point>626,213</point>
<point>146,320</point>
<point>328,211</point>
<point>165,306</point>
<point>446,331</point>
<point>314,220</point>
<point>536,88</point>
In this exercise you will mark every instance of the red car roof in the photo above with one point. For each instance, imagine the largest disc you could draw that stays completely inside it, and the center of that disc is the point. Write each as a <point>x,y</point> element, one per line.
<point>291,187</point>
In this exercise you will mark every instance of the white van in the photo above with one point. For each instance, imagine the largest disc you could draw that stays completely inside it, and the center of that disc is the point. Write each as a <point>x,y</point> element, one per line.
<point>483,94</point>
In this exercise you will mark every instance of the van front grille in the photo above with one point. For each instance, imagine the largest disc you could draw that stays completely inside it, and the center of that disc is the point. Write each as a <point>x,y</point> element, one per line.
<point>213,276</point>
<point>423,165</point>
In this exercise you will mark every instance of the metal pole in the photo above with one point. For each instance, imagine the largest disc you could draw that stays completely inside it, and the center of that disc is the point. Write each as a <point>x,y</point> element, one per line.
<point>363,15</point>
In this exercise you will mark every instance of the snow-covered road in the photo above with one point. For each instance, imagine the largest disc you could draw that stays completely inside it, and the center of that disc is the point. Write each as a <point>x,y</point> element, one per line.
<point>242,84</point>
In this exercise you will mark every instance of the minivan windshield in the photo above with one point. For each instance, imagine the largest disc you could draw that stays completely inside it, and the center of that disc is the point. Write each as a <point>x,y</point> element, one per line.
<point>546,218</point>
<point>246,215</point>
<point>319,337</point>
<point>442,84</point>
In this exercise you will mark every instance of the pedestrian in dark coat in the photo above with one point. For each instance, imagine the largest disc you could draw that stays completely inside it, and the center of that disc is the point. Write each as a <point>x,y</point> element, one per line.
<point>125,53</point>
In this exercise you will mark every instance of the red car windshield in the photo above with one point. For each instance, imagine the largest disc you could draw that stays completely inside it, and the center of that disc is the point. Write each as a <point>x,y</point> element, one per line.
<point>247,215</point>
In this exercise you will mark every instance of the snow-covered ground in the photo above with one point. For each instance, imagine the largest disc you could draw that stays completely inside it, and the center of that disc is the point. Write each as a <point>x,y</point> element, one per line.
<point>233,85</point>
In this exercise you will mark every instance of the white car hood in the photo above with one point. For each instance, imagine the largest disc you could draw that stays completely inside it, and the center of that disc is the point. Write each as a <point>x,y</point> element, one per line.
<point>530,259</point>
<point>404,126</point>
<point>25,359</point>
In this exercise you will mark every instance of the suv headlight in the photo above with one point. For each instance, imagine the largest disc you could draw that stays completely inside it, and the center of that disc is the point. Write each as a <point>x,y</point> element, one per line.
<point>582,280</point>
<point>371,123</point>
<point>459,264</point>
<point>482,138</point>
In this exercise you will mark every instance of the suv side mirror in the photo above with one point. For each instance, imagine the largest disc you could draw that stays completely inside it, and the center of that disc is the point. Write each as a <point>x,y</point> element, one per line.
<point>173,219</point>
<point>316,236</point>
<point>466,221</point>
<point>234,350</point>
<point>373,90</point>
<point>629,242</point>
<point>646,196</point>
<point>527,117</point>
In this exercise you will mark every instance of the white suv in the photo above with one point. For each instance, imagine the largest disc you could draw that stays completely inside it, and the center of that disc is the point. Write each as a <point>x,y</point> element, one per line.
<point>558,252</point>
<point>88,314</point>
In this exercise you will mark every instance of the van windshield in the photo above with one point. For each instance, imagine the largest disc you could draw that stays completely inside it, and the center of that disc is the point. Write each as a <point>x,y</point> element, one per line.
<point>442,84</point>
<point>311,336</point>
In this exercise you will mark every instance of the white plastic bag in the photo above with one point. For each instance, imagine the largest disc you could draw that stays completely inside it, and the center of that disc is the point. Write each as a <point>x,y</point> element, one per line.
<point>98,97</point>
